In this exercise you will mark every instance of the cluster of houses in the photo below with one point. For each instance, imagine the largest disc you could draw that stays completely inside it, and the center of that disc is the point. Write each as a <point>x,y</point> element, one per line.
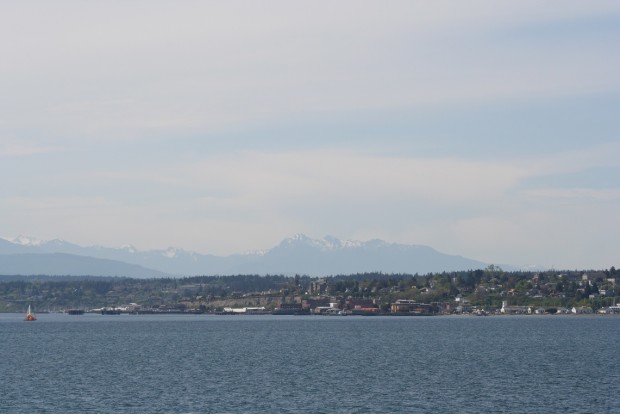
<point>404,307</point>
<point>590,286</point>
<point>575,310</point>
<point>351,306</point>
<point>366,307</point>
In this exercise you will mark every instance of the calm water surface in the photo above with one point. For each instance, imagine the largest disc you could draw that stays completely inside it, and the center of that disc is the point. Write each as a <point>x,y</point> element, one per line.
<point>289,364</point>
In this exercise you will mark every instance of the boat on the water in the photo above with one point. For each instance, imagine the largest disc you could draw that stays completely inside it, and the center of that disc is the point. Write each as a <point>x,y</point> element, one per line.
<point>75,311</point>
<point>30,316</point>
<point>110,311</point>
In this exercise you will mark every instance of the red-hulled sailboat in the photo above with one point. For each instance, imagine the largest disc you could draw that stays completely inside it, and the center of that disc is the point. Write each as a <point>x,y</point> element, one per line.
<point>30,316</point>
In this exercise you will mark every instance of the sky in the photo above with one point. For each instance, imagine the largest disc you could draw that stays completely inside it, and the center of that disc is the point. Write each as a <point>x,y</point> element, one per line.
<point>485,129</point>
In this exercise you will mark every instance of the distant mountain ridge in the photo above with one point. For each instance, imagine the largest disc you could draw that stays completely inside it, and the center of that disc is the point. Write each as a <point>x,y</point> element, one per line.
<point>62,264</point>
<point>299,254</point>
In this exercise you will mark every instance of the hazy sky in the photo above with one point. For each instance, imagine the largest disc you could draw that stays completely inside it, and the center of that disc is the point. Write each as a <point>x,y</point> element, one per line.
<point>488,129</point>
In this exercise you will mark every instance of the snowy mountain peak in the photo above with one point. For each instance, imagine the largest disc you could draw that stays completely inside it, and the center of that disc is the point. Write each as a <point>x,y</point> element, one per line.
<point>327,243</point>
<point>172,252</point>
<point>298,254</point>
<point>296,239</point>
<point>255,252</point>
<point>128,248</point>
<point>335,243</point>
<point>299,237</point>
<point>25,240</point>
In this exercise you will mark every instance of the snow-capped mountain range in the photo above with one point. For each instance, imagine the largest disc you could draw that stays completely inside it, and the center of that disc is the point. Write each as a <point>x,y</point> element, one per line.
<point>299,254</point>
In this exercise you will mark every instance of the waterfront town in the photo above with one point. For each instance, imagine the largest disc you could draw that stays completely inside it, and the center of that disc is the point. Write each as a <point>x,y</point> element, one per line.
<point>491,291</point>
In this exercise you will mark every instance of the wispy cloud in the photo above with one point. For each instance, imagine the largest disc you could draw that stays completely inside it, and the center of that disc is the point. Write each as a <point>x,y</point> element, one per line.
<point>223,128</point>
<point>218,66</point>
<point>575,193</point>
<point>11,148</point>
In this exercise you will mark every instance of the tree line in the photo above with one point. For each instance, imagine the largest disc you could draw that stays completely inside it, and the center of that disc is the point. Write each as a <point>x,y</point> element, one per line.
<point>483,287</point>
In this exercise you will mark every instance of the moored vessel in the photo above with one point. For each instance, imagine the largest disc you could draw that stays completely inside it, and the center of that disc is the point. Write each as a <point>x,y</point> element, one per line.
<point>75,311</point>
<point>110,311</point>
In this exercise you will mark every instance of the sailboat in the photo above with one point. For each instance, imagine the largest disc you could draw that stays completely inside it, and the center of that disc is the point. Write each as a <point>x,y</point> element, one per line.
<point>30,316</point>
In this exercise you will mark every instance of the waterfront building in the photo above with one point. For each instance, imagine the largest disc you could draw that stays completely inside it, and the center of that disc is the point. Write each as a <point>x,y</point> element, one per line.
<point>514,310</point>
<point>411,307</point>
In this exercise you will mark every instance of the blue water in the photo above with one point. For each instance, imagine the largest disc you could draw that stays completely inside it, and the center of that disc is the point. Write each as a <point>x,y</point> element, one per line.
<point>292,364</point>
